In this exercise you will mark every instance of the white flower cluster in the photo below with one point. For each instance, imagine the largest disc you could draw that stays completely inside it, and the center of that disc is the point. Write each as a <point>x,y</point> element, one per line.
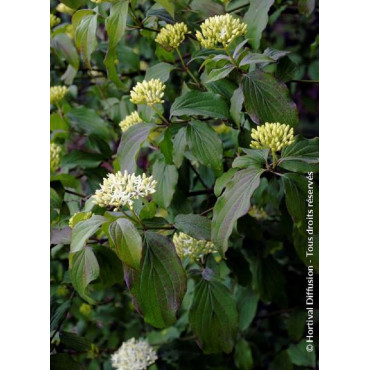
<point>195,249</point>
<point>119,190</point>
<point>134,355</point>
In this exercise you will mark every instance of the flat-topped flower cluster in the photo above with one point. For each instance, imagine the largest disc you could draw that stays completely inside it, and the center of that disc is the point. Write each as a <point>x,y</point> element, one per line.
<point>187,246</point>
<point>120,190</point>
<point>134,355</point>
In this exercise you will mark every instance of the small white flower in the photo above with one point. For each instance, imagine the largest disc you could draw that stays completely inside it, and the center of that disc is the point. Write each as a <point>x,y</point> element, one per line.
<point>119,190</point>
<point>134,355</point>
<point>195,249</point>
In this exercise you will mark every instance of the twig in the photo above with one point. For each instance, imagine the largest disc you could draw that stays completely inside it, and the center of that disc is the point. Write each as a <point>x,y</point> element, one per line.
<point>198,176</point>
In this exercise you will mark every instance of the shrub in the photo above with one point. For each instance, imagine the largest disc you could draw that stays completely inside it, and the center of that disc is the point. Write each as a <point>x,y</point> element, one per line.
<point>184,183</point>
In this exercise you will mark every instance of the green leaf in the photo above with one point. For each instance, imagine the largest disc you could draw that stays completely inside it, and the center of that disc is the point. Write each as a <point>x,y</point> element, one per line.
<point>296,194</point>
<point>130,144</point>
<point>275,54</point>
<point>160,13</point>
<point>256,19</point>
<point>196,226</point>
<point>168,5</point>
<point>160,70</point>
<point>63,361</point>
<point>254,58</point>
<point>83,230</point>
<point>233,204</point>
<point>85,37</point>
<point>74,4</point>
<point>179,143</point>
<point>286,70</point>
<point>236,105</point>
<point>300,356</point>
<point>74,341</point>
<point>127,242</point>
<point>110,65</point>
<point>247,302</point>
<point>88,121</point>
<point>115,24</point>
<point>78,158</point>
<point>57,123</point>
<point>218,74</point>
<point>84,269</point>
<point>69,75</point>
<point>79,15</point>
<point>267,100</point>
<point>57,313</point>
<point>64,46</point>
<point>111,268</point>
<point>224,87</point>
<point>213,316</point>
<point>268,279</point>
<point>205,144</point>
<point>302,156</point>
<point>196,103</point>
<point>281,362</point>
<point>166,177</point>
<point>159,288</point>
<point>296,324</point>
<point>306,7</point>
<point>223,180</point>
<point>256,158</point>
<point>243,355</point>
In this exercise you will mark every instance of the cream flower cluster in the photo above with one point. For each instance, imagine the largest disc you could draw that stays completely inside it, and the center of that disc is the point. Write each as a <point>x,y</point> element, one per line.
<point>134,355</point>
<point>119,190</point>
<point>57,93</point>
<point>220,29</point>
<point>130,120</point>
<point>275,136</point>
<point>54,20</point>
<point>55,151</point>
<point>186,246</point>
<point>78,217</point>
<point>171,36</point>
<point>62,8</point>
<point>148,92</point>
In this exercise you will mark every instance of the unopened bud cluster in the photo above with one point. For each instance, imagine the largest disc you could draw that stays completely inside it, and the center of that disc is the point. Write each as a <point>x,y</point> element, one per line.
<point>62,8</point>
<point>130,120</point>
<point>119,190</point>
<point>54,20</point>
<point>220,29</point>
<point>274,136</point>
<point>148,92</point>
<point>186,246</point>
<point>171,36</point>
<point>57,93</point>
<point>55,151</point>
<point>134,355</point>
<point>78,217</point>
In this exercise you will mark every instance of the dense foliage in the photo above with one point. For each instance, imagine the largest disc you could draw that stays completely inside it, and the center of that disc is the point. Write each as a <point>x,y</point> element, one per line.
<point>183,147</point>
